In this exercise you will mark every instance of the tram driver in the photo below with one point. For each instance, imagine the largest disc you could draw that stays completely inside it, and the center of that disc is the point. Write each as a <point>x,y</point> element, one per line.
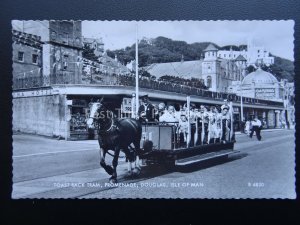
<point>146,110</point>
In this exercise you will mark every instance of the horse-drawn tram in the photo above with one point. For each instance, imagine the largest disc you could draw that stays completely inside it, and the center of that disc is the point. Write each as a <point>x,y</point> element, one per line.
<point>196,137</point>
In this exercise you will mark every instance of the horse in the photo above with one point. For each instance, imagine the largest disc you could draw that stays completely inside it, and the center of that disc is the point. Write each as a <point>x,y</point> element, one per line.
<point>117,135</point>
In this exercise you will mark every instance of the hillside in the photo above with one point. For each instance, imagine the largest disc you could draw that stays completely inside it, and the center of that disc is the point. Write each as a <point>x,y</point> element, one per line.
<point>162,49</point>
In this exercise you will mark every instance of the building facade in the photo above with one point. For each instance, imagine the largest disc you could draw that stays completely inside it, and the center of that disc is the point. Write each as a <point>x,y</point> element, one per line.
<point>263,85</point>
<point>253,54</point>
<point>215,73</point>
<point>45,53</point>
<point>55,101</point>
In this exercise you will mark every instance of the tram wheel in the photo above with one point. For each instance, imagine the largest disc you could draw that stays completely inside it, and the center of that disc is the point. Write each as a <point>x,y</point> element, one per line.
<point>169,165</point>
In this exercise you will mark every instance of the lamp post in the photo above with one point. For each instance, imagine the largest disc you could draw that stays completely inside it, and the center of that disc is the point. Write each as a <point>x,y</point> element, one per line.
<point>242,109</point>
<point>136,73</point>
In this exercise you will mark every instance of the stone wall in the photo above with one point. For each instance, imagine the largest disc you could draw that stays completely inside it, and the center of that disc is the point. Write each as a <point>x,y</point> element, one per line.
<point>43,115</point>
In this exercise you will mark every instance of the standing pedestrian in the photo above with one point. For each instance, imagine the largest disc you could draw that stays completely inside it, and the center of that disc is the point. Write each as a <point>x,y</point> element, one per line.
<point>256,126</point>
<point>248,127</point>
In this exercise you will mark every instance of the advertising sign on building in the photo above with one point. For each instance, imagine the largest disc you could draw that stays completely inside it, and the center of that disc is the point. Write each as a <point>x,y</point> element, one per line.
<point>267,93</point>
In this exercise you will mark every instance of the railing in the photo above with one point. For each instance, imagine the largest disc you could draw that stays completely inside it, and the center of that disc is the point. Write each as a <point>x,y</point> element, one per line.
<point>27,82</point>
<point>63,78</point>
<point>123,80</point>
<point>186,90</point>
<point>174,140</point>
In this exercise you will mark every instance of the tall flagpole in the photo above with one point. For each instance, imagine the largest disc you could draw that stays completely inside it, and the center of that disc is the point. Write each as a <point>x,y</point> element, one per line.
<point>136,74</point>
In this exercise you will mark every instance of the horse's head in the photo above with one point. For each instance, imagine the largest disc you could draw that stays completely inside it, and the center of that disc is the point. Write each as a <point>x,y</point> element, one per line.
<point>100,114</point>
<point>95,112</point>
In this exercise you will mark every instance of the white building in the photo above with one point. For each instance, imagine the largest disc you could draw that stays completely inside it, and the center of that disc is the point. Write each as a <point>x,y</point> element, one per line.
<point>219,73</point>
<point>254,55</point>
<point>261,85</point>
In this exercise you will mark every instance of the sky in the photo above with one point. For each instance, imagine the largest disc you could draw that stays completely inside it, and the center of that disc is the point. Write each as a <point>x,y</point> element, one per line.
<point>276,36</point>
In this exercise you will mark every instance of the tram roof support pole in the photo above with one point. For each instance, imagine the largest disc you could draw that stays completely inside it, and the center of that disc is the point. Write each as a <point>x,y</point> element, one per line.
<point>136,74</point>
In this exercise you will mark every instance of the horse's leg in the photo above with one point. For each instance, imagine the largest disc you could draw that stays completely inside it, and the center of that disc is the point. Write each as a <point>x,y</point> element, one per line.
<point>113,178</point>
<point>129,167</point>
<point>137,167</point>
<point>129,160</point>
<point>107,168</point>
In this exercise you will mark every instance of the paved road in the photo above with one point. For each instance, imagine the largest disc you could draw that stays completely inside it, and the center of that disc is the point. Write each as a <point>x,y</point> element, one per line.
<point>45,167</point>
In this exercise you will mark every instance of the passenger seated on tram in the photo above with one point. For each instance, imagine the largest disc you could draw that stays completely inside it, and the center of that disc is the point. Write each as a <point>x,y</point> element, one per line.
<point>229,117</point>
<point>193,118</point>
<point>213,130</point>
<point>203,120</point>
<point>178,109</point>
<point>225,105</point>
<point>183,128</point>
<point>169,117</point>
<point>225,124</point>
<point>156,113</point>
<point>161,108</point>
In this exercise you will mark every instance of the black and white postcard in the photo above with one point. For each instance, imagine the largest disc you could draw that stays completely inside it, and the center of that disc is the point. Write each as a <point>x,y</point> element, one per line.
<point>153,109</point>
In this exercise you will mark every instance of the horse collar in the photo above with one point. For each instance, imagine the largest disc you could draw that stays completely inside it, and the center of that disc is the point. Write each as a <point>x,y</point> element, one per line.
<point>112,125</point>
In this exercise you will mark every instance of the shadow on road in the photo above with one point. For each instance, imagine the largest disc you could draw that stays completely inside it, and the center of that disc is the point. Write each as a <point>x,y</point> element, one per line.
<point>151,171</point>
<point>209,163</point>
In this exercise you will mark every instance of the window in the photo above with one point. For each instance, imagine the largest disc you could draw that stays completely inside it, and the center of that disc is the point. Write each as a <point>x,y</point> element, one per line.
<point>65,37</point>
<point>224,55</point>
<point>257,51</point>
<point>65,64</point>
<point>53,35</point>
<point>208,81</point>
<point>34,58</point>
<point>21,56</point>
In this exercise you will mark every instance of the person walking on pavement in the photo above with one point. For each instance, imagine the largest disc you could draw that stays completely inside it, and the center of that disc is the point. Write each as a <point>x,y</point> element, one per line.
<point>256,126</point>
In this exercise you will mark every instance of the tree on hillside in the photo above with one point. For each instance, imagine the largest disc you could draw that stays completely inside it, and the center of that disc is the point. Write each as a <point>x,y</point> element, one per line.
<point>162,50</point>
<point>228,47</point>
<point>250,69</point>
<point>88,53</point>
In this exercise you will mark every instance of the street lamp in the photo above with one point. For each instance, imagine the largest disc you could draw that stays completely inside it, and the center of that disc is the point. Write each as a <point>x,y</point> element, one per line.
<point>133,106</point>
<point>242,110</point>
<point>241,95</point>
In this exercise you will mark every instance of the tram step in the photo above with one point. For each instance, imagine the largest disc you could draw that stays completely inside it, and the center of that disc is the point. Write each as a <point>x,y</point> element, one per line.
<point>199,158</point>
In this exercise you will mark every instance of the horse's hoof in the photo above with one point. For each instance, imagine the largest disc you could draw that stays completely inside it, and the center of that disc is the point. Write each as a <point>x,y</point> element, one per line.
<point>128,174</point>
<point>109,170</point>
<point>136,171</point>
<point>113,180</point>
